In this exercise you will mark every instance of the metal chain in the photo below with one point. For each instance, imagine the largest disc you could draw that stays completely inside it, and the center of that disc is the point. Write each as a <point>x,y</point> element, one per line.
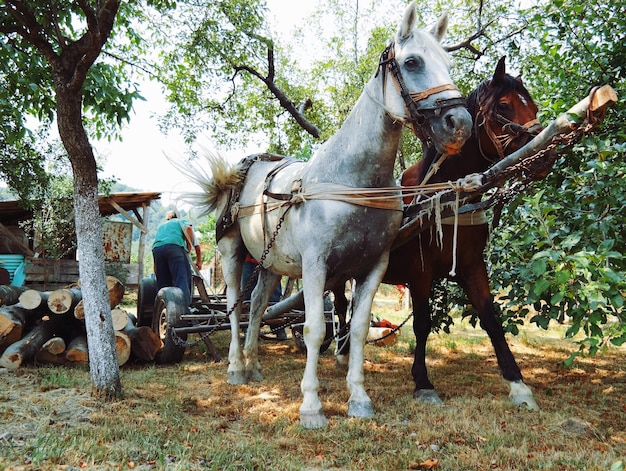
<point>182,343</point>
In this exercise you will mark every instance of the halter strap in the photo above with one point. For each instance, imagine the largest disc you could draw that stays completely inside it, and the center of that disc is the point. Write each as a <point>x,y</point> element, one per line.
<point>417,115</point>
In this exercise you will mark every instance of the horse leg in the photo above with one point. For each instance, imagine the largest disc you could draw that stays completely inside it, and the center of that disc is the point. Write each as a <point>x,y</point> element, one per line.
<point>343,340</point>
<point>232,266</point>
<point>360,404</point>
<point>476,286</point>
<point>265,285</point>
<point>311,414</point>
<point>420,295</point>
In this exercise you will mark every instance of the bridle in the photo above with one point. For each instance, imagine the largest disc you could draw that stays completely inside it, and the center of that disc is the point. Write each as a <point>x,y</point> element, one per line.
<point>418,115</point>
<point>511,130</point>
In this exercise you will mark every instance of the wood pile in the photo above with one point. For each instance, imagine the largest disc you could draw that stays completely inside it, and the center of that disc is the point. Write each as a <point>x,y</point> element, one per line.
<point>48,327</point>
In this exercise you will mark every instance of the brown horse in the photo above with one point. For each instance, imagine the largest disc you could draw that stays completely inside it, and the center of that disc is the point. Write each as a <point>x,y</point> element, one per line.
<point>505,119</point>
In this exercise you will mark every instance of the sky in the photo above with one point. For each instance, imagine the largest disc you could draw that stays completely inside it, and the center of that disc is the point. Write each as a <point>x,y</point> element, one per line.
<point>140,160</point>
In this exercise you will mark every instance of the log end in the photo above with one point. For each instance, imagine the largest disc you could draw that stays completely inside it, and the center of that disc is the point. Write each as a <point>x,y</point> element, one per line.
<point>602,97</point>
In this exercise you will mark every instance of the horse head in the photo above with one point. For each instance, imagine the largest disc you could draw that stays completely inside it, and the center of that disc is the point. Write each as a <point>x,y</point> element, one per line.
<point>419,69</point>
<point>505,115</point>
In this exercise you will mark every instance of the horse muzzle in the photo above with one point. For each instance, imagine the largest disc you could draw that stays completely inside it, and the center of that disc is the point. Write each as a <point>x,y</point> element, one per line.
<point>450,130</point>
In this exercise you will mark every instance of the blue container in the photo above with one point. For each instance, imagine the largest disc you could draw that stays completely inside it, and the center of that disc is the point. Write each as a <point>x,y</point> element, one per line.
<point>11,262</point>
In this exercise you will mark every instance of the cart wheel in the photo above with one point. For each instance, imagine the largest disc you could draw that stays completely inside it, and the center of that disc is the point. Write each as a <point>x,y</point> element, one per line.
<point>298,337</point>
<point>168,309</point>
<point>146,295</point>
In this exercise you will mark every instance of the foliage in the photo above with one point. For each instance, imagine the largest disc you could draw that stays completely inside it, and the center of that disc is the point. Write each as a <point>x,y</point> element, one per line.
<point>560,251</point>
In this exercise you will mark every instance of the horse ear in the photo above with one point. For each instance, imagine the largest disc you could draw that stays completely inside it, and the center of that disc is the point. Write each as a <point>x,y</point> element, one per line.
<point>500,72</point>
<point>519,79</point>
<point>439,29</point>
<point>408,22</point>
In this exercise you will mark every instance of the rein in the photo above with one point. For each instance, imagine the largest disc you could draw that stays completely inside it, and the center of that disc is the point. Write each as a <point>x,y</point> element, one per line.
<point>511,130</point>
<point>418,115</point>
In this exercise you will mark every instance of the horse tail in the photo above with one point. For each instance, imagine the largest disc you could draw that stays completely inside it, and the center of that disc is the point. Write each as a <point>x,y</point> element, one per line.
<point>216,178</point>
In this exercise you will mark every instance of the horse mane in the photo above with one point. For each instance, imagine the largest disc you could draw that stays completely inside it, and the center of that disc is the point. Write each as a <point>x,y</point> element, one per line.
<point>483,99</point>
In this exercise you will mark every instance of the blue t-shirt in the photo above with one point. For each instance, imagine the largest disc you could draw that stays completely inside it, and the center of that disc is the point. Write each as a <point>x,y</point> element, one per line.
<point>171,232</point>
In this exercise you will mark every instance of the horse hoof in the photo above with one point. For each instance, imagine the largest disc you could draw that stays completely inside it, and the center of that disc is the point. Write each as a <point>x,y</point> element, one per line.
<point>428,396</point>
<point>254,375</point>
<point>363,410</point>
<point>341,362</point>
<point>236,377</point>
<point>313,420</point>
<point>527,402</point>
<point>522,396</point>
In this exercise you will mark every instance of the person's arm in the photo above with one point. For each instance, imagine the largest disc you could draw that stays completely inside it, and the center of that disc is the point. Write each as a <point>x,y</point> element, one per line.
<point>191,240</point>
<point>198,257</point>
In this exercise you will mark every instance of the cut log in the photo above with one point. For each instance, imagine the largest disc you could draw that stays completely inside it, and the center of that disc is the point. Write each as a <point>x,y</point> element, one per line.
<point>116,291</point>
<point>55,345</point>
<point>10,294</point>
<point>120,318</point>
<point>14,321</point>
<point>79,310</point>
<point>52,352</point>
<point>44,357</point>
<point>144,342</point>
<point>26,348</point>
<point>33,299</point>
<point>77,350</point>
<point>64,300</point>
<point>123,347</point>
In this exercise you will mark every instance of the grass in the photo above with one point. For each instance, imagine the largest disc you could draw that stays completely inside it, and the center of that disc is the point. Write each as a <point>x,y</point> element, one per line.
<point>186,417</point>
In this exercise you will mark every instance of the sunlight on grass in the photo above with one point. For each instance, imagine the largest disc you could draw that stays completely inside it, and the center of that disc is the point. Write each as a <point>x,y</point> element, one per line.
<point>186,416</point>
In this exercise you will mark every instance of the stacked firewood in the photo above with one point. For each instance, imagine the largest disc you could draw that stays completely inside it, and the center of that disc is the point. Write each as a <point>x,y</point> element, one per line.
<point>48,327</point>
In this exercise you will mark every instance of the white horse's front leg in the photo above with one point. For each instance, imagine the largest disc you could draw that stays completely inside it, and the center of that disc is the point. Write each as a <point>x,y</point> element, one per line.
<point>360,404</point>
<point>311,414</point>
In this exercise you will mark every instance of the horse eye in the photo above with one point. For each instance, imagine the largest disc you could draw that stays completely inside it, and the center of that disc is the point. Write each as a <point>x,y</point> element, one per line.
<point>504,106</point>
<point>411,63</point>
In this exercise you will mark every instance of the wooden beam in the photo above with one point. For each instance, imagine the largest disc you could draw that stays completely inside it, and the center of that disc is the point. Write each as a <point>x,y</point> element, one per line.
<point>128,216</point>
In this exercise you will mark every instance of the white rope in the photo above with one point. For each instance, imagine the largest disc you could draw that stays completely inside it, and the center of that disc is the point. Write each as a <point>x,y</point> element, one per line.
<point>455,236</point>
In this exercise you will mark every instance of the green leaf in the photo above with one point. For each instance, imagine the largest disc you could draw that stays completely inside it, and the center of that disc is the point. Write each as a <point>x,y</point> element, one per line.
<point>538,267</point>
<point>540,286</point>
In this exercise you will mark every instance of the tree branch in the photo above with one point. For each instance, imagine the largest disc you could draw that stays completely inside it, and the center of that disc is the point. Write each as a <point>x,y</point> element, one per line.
<point>282,98</point>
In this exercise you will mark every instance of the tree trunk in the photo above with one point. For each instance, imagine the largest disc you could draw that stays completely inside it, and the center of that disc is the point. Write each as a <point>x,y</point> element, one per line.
<point>10,294</point>
<point>103,366</point>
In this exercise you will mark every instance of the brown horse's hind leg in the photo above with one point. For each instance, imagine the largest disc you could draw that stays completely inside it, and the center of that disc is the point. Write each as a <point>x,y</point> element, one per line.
<point>476,286</point>
<point>422,323</point>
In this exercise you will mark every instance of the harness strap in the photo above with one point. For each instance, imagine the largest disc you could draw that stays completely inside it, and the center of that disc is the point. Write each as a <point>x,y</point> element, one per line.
<point>380,198</point>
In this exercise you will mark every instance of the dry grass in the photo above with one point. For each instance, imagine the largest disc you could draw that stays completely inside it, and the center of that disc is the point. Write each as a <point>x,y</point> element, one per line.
<point>186,417</point>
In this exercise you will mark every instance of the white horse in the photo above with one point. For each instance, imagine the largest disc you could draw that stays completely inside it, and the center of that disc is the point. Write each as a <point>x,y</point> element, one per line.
<point>332,218</point>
